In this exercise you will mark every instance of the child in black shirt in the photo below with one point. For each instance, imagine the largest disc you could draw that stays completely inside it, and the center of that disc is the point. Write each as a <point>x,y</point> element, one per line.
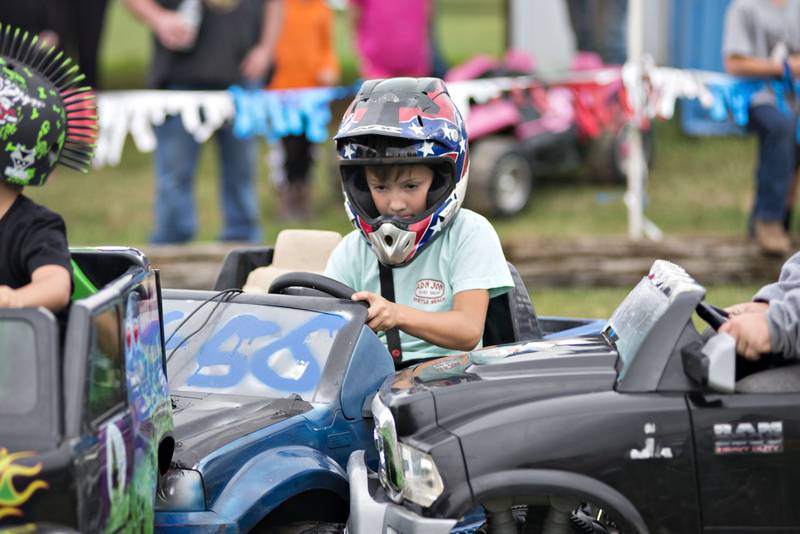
<point>45,118</point>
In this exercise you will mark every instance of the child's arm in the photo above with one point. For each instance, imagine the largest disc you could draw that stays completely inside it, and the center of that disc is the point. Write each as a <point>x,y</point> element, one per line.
<point>460,328</point>
<point>751,331</point>
<point>49,287</point>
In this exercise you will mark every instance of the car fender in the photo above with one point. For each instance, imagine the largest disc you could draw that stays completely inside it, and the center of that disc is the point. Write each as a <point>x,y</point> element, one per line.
<point>270,478</point>
<point>536,482</point>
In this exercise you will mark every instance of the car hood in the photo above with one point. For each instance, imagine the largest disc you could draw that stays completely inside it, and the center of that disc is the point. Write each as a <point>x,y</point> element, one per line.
<point>204,422</point>
<point>487,379</point>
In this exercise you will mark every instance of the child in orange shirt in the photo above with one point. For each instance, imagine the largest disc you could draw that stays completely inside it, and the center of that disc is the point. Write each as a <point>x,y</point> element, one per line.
<point>304,58</point>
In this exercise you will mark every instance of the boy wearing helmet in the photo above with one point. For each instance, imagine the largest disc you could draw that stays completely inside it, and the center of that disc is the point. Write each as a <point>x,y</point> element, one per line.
<point>426,267</point>
<point>45,118</point>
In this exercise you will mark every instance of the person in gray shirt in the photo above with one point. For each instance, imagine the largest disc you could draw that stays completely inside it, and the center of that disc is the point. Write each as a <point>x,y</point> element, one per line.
<point>761,36</point>
<point>771,322</point>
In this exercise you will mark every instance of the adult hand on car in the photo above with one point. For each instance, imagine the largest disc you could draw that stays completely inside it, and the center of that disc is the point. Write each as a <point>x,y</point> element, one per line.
<point>9,298</point>
<point>751,332</point>
<point>382,314</point>
<point>747,307</point>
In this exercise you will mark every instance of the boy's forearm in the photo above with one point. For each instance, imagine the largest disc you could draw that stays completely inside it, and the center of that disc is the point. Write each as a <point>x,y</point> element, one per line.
<point>50,288</point>
<point>457,330</point>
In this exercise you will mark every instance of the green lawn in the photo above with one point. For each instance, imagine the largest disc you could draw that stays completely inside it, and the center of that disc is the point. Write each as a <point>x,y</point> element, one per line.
<point>600,302</point>
<point>697,186</point>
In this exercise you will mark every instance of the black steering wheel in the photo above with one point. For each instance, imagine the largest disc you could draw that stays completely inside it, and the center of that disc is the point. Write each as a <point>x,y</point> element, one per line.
<point>713,315</point>
<point>316,283</point>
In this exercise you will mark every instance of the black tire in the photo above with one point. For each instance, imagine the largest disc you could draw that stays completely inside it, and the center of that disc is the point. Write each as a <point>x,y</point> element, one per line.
<point>500,177</point>
<point>306,527</point>
<point>608,154</point>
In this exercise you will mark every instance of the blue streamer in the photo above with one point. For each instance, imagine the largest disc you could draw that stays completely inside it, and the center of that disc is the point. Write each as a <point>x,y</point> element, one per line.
<point>731,99</point>
<point>276,114</point>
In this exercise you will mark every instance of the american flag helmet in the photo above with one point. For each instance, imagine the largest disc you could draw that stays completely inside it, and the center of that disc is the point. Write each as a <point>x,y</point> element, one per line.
<point>403,121</point>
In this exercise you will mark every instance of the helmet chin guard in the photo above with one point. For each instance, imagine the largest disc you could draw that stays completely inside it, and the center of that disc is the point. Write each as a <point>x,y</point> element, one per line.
<point>403,121</point>
<point>391,244</point>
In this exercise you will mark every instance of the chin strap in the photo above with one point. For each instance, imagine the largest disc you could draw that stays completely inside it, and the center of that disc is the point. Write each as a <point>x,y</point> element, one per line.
<point>387,292</point>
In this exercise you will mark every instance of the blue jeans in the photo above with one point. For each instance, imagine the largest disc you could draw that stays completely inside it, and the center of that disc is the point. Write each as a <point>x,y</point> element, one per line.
<point>776,161</point>
<point>600,26</point>
<point>176,162</point>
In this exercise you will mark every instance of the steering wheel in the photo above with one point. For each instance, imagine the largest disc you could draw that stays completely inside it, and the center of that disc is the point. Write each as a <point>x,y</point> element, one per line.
<point>317,283</point>
<point>713,315</point>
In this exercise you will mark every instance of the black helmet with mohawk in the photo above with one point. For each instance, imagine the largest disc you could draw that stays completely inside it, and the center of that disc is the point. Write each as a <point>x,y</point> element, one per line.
<point>46,115</point>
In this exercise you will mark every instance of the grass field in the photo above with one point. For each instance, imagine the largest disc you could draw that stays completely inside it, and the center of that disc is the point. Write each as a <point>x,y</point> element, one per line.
<point>601,301</point>
<point>697,186</point>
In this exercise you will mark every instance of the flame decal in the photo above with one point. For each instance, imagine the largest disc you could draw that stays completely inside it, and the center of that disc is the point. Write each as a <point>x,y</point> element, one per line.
<point>10,498</point>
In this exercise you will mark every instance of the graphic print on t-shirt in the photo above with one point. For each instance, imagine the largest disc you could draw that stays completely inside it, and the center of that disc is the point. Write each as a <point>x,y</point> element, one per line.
<point>429,291</point>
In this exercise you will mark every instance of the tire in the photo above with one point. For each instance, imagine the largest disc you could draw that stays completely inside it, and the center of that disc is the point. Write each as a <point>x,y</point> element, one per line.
<point>607,157</point>
<point>307,527</point>
<point>500,177</point>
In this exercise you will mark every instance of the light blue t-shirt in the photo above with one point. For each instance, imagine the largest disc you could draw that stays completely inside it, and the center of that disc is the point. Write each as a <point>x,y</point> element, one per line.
<point>467,256</point>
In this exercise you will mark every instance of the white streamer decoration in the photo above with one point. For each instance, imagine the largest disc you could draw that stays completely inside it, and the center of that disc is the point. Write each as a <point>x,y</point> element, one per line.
<point>137,112</point>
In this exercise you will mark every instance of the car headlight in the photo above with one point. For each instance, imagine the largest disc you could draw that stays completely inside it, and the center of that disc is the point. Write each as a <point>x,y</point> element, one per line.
<point>404,471</point>
<point>181,490</point>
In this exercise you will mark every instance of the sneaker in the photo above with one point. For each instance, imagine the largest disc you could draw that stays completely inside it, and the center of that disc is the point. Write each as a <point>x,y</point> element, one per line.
<point>771,237</point>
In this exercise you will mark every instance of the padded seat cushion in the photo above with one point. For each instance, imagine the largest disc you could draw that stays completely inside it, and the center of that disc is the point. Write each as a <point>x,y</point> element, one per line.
<point>784,379</point>
<point>295,250</point>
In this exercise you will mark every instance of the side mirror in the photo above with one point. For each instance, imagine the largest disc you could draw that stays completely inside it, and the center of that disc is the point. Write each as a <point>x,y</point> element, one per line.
<point>713,364</point>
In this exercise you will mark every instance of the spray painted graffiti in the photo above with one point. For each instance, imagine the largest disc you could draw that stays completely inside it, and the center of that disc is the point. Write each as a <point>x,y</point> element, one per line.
<point>11,500</point>
<point>152,420</point>
<point>22,159</point>
<point>15,95</point>
<point>286,364</point>
<point>147,385</point>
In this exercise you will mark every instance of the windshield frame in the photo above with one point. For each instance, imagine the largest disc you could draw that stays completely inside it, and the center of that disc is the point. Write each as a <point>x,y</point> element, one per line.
<point>646,366</point>
<point>353,314</point>
<point>40,427</point>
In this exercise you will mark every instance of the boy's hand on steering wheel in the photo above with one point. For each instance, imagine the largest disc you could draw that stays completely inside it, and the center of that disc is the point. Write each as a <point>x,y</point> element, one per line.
<point>747,307</point>
<point>751,332</point>
<point>382,314</point>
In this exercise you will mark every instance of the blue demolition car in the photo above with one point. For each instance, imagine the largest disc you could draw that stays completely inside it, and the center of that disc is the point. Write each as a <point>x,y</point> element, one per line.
<point>268,394</point>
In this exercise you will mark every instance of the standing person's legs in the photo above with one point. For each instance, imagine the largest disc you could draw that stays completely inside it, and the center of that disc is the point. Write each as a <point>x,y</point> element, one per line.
<point>610,27</point>
<point>89,18</point>
<point>581,18</point>
<point>774,175</point>
<point>298,151</point>
<point>175,163</point>
<point>240,213</point>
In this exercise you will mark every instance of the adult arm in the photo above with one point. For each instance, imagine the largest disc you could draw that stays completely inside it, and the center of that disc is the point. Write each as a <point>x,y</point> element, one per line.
<point>258,59</point>
<point>49,287</point>
<point>741,55</point>
<point>753,67</point>
<point>328,72</point>
<point>170,28</point>
<point>459,329</point>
